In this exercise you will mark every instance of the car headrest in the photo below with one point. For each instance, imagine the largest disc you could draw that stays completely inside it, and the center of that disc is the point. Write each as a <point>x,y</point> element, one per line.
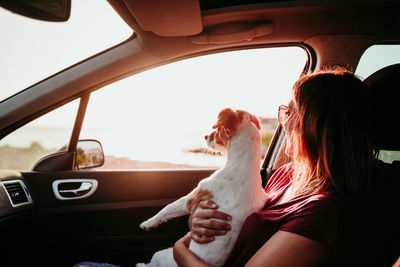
<point>384,103</point>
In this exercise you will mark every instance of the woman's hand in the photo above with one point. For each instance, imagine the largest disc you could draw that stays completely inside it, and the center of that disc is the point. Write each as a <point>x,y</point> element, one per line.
<point>203,228</point>
<point>183,256</point>
<point>184,241</point>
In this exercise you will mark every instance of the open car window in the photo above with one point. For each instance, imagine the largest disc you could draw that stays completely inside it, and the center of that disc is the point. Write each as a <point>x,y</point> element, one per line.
<point>158,118</point>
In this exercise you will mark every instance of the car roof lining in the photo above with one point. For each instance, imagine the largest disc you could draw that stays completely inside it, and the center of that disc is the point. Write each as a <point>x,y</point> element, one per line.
<point>320,26</point>
<point>212,4</point>
<point>309,18</point>
<point>167,19</point>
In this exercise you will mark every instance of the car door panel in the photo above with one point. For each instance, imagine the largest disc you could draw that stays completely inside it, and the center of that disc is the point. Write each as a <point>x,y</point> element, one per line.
<point>105,226</point>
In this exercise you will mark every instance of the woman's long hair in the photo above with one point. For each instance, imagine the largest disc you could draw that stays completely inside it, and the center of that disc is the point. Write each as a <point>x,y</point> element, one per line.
<point>330,135</point>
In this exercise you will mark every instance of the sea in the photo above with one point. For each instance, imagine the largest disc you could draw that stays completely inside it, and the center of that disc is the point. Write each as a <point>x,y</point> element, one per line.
<point>172,148</point>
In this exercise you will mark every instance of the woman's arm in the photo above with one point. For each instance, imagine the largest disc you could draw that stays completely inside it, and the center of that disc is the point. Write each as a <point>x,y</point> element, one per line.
<point>289,249</point>
<point>183,256</point>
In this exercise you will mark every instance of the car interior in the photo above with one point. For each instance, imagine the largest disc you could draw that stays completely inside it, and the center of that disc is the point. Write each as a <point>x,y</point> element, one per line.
<point>60,213</point>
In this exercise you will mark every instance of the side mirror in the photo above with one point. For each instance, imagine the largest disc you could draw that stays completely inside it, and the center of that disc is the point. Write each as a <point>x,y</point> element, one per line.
<point>89,154</point>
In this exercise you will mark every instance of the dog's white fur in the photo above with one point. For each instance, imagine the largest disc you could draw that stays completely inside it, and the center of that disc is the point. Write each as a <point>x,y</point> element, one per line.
<point>236,188</point>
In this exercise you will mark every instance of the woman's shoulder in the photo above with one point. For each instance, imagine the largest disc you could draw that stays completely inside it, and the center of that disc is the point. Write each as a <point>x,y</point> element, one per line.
<point>322,203</point>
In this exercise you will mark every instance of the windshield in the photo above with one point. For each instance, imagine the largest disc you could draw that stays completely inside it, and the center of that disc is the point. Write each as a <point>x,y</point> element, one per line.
<point>31,50</point>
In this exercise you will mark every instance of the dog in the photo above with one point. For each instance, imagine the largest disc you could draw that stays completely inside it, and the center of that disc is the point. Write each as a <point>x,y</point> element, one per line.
<point>236,187</point>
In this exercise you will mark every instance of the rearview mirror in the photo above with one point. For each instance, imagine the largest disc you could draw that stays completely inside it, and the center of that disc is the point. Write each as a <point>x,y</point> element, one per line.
<point>89,154</point>
<point>47,10</point>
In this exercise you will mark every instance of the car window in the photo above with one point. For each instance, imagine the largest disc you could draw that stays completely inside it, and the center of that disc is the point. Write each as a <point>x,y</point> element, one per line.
<point>375,58</point>
<point>32,50</point>
<point>158,118</point>
<point>50,133</point>
<point>389,156</point>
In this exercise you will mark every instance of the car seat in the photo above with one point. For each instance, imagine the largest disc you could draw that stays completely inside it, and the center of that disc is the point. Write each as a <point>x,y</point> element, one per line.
<point>379,243</point>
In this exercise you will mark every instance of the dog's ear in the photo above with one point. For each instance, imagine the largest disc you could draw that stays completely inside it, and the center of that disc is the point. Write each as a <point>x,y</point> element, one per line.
<point>252,118</point>
<point>256,121</point>
<point>228,119</point>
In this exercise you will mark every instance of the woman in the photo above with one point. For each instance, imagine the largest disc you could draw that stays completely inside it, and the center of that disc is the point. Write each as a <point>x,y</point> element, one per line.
<point>311,198</point>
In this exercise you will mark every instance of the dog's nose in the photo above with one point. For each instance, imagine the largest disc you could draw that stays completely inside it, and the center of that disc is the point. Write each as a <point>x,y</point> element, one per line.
<point>206,137</point>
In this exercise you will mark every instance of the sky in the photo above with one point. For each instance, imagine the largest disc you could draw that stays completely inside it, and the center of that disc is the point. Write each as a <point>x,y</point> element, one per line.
<point>31,50</point>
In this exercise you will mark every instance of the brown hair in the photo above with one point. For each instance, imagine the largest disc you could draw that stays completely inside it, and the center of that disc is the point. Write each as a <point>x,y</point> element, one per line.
<point>329,137</point>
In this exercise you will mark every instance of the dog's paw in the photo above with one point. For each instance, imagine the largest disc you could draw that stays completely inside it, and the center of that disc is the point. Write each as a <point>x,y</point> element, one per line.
<point>149,224</point>
<point>141,265</point>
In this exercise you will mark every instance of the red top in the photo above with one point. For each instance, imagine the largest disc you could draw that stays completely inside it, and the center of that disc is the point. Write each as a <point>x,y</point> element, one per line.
<point>314,216</point>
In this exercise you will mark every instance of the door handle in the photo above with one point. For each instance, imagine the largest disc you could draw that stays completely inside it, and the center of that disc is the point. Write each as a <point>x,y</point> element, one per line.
<point>85,187</point>
<point>69,189</point>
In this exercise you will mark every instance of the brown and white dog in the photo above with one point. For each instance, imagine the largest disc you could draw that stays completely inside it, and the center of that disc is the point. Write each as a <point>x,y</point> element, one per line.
<point>236,187</point>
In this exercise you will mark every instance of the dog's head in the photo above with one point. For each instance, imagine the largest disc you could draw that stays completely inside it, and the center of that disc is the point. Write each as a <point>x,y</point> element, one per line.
<point>229,122</point>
